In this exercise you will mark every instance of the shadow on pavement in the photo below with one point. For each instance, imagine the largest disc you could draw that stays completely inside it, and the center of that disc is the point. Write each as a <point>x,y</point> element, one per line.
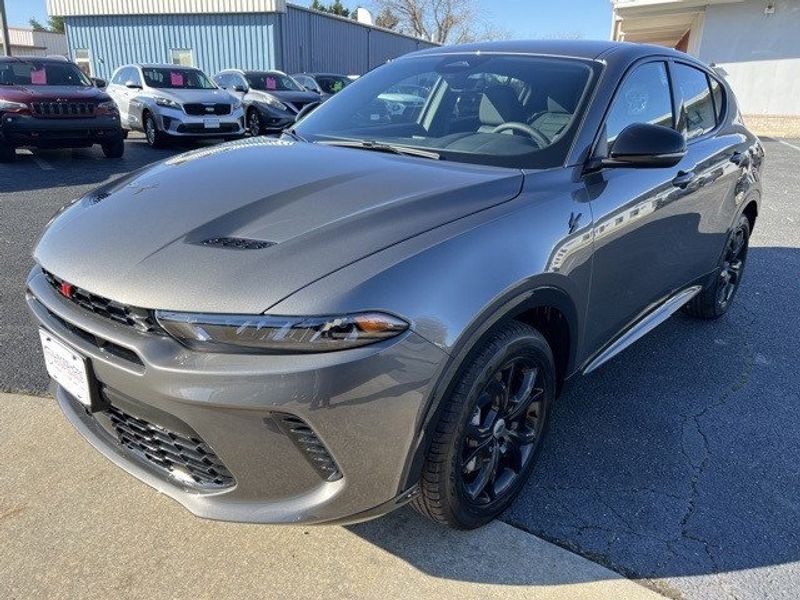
<point>680,457</point>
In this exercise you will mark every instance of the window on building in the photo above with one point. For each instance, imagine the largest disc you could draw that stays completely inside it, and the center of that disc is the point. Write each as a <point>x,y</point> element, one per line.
<point>183,57</point>
<point>695,96</point>
<point>83,60</point>
<point>644,97</point>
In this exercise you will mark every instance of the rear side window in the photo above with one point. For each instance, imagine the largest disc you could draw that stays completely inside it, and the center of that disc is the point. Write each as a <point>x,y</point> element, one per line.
<point>644,97</point>
<point>719,98</point>
<point>694,95</point>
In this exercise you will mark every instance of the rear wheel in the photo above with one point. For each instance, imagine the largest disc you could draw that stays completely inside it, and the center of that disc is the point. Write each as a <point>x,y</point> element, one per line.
<point>7,153</point>
<point>155,138</point>
<point>115,149</point>
<point>716,298</point>
<point>490,431</point>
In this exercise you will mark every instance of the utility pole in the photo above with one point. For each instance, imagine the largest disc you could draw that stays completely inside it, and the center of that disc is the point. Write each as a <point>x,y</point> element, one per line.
<point>4,31</point>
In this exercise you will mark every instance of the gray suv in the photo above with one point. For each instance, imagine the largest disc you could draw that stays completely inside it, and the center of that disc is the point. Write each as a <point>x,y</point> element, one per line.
<point>169,101</point>
<point>382,307</point>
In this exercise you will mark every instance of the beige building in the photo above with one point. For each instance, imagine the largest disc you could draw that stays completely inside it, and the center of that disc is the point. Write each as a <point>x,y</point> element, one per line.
<point>754,44</point>
<point>27,42</point>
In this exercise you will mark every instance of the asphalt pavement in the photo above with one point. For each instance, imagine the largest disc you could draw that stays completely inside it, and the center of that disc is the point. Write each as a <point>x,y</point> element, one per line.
<point>677,463</point>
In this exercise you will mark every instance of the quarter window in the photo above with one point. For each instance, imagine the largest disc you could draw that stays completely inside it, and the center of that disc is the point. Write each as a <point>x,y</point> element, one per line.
<point>183,57</point>
<point>719,98</point>
<point>644,97</point>
<point>694,95</point>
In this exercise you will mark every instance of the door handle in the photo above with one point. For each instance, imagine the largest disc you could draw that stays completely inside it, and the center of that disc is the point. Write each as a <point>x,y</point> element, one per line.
<point>684,179</point>
<point>740,159</point>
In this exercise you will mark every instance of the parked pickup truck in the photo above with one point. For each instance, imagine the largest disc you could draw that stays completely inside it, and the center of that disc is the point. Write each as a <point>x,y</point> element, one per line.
<point>50,103</point>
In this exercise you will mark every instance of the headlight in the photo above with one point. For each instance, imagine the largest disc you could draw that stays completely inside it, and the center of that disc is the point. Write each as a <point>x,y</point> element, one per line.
<point>7,105</point>
<point>167,102</point>
<point>107,107</point>
<point>271,334</point>
<point>272,101</point>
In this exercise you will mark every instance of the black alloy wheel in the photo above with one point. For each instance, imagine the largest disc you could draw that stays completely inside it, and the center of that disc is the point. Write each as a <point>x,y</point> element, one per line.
<point>717,297</point>
<point>490,428</point>
<point>253,123</point>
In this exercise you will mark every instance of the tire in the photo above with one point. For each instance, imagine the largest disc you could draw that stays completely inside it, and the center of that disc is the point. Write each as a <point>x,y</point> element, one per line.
<point>715,299</point>
<point>115,149</point>
<point>254,123</point>
<point>125,134</point>
<point>7,153</point>
<point>155,138</point>
<point>461,454</point>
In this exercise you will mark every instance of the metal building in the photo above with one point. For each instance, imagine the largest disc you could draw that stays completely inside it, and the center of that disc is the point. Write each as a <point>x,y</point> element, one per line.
<point>221,34</point>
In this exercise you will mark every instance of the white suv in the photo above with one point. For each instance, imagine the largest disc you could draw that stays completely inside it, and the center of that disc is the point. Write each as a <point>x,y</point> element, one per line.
<point>166,101</point>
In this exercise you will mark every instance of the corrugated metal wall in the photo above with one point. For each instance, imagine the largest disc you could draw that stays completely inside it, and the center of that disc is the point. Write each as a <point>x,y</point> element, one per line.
<point>295,41</point>
<point>218,41</point>
<point>313,42</point>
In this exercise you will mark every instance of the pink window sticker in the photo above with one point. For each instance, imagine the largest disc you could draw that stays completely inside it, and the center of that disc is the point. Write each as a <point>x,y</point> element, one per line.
<point>39,77</point>
<point>272,84</point>
<point>176,79</point>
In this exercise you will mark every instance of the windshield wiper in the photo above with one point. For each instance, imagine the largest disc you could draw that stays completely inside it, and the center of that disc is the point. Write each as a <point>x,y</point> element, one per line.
<point>292,132</point>
<point>383,147</point>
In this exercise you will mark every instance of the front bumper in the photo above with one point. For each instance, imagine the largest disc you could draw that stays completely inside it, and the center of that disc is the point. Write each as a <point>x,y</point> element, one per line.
<point>26,130</point>
<point>177,123</point>
<point>364,405</point>
<point>274,120</point>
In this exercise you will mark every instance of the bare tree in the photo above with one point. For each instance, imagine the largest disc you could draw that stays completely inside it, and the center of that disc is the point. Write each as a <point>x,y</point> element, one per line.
<point>439,21</point>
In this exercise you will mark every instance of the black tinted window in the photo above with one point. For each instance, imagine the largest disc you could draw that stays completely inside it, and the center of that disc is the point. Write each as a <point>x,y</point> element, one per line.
<point>644,97</point>
<point>719,98</point>
<point>695,96</point>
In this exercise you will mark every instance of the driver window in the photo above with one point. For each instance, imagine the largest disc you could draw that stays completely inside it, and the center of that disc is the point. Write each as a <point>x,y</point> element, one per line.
<point>644,97</point>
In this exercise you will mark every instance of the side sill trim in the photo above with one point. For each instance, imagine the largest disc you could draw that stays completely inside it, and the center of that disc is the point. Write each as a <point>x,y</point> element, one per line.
<point>644,326</point>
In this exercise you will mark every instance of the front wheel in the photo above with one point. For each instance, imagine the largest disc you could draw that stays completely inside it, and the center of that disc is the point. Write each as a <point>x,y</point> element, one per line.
<point>155,138</point>
<point>490,430</point>
<point>254,122</point>
<point>7,153</point>
<point>115,149</point>
<point>716,298</point>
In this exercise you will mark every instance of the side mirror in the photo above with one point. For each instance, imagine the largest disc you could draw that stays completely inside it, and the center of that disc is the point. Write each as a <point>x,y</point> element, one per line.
<point>240,88</point>
<point>99,83</point>
<point>308,108</point>
<point>646,146</point>
<point>132,85</point>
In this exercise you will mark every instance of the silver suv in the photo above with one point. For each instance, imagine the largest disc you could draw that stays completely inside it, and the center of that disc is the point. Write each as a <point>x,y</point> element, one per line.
<point>166,101</point>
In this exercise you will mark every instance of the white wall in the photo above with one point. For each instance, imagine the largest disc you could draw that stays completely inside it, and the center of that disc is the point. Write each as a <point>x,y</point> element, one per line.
<point>760,53</point>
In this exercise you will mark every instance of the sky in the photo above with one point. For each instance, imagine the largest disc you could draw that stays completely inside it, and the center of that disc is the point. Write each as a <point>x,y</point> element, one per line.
<point>590,19</point>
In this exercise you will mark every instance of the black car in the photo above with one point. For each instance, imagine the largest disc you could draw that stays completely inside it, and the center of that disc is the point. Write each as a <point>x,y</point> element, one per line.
<point>324,84</point>
<point>272,99</point>
<point>50,103</point>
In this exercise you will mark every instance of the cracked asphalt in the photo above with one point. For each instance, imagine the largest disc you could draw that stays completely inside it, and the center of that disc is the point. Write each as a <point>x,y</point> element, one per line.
<point>677,463</point>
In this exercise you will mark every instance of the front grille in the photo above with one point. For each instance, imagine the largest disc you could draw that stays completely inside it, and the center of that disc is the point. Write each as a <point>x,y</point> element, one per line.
<point>139,318</point>
<point>101,344</point>
<point>309,444</point>
<point>184,457</point>
<point>200,128</point>
<point>199,110</point>
<point>60,109</point>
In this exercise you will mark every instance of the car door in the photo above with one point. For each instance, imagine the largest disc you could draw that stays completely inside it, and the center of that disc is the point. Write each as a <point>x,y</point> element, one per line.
<point>716,160</point>
<point>118,92</point>
<point>646,223</point>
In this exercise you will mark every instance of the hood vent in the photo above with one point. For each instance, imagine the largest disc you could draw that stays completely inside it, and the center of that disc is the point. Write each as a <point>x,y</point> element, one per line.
<point>236,243</point>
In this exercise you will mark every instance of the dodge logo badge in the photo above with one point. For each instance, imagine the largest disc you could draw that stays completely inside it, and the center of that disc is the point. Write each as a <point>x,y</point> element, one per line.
<point>66,289</point>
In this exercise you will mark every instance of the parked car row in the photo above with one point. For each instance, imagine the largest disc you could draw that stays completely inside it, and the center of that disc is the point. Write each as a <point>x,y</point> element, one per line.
<point>50,103</point>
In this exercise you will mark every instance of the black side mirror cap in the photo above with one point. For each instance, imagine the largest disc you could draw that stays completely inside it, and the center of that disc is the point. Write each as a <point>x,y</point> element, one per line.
<point>132,85</point>
<point>240,88</point>
<point>645,146</point>
<point>99,83</point>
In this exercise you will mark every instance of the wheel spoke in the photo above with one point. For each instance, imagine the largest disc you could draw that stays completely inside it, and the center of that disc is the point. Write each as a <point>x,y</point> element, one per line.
<point>485,476</point>
<point>521,407</point>
<point>475,455</point>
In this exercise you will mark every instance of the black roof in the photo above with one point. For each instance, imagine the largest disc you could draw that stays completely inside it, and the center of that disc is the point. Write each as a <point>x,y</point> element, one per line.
<point>323,74</point>
<point>587,49</point>
<point>38,59</point>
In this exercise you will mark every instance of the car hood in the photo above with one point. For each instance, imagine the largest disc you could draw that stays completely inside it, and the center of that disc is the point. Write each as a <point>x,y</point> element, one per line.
<point>30,93</point>
<point>194,96</point>
<point>142,240</point>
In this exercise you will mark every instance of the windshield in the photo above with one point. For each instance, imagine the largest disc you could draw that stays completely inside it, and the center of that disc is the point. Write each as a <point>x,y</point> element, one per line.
<point>180,79</point>
<point>42,73</point>
<point>332,84</point>
<point>272,82</point>
<point>503,110</point>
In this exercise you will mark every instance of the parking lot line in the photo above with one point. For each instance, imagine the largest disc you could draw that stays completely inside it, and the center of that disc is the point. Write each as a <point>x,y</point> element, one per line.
<point>43,164</point>
<point>790,145</point>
